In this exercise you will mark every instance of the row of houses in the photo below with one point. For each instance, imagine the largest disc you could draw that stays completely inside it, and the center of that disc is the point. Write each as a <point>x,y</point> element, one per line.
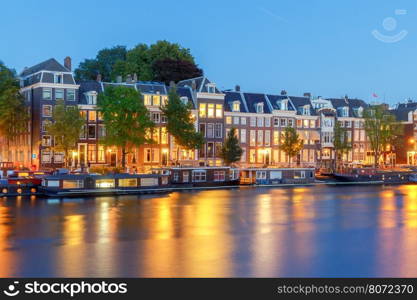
<point>260,120</point>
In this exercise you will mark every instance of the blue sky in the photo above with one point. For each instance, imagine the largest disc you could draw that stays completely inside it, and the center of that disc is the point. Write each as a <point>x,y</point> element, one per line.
<point>319,46</point>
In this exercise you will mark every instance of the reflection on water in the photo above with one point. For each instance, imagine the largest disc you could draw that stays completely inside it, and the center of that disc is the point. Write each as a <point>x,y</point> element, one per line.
<point>317,231</point>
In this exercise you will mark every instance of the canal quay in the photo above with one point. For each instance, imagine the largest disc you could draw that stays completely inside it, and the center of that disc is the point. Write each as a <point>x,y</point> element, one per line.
<point>314,231</point>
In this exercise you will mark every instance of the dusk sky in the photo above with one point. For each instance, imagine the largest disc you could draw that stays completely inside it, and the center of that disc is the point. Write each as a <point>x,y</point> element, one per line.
<point>318,46</point>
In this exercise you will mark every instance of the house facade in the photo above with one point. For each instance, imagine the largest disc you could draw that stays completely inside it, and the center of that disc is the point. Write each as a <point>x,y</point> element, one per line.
<point>259,118</point>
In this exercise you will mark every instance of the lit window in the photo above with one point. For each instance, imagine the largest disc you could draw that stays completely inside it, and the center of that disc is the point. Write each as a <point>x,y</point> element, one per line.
<point>59,94</point>
<point>46,94</point>
<point>202,110</point>
<point>47,110</point>
<point>101,153</point>
<point>72,184</point>
<point>219,111</point>
<point>236,106</point>
<point>92,152</point>
<point>228,120</point>
<point>105,183</point>
<point>148,99</point>
<point>156,100</point>
<point>46,140</point>
<point>128,182</point>
<point>164,135</point>
<point>92,116</point>
<point>210,110</point>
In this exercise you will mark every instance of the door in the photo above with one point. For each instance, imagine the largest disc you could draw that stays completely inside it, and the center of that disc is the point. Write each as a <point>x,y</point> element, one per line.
<point>82,154</point>
<point>113,159</point>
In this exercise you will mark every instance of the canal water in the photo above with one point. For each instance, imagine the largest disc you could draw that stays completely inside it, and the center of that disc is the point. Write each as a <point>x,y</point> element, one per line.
<point>328,231</point>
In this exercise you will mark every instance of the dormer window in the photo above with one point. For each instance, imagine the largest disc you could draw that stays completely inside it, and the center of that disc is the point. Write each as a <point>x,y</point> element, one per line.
<point>236,106</point>
<point>58,78</point>
<point>91,97</point>
<point>283,105</point>
<point>345,111</point>
<point>360,112</point>
<point>184,100</point>
<point>306,110</point>
<point>260,108</point>
<point>211,88</point>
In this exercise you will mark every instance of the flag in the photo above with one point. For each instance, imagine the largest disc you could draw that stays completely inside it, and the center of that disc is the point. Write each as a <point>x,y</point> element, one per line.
<point>374,95</point>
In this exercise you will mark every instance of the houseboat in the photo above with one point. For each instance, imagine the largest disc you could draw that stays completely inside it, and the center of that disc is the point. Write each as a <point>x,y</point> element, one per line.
<point>112,184</point>
<point>375,175</point>
<point>200,176</point>
<point>264,176</point>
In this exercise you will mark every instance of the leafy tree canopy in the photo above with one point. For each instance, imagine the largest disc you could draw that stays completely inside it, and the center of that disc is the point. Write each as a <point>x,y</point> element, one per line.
<point>66,127</point>
<point>167,70</point>
<point>291,144</point>
<point>125,117</point>
<point>139,60</point>
<point>231,151</point>
<point>180,123</point>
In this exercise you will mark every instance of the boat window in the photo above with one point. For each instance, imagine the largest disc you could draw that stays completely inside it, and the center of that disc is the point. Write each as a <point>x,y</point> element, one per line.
<point>276,175</point>
<point>199,176</point>
<point>185,176</point>
<point>53,183</point>
<point>219,175</point>
<point>72,184</point>
<point>128,182</point>
<point>148,181</point>
<point>299,174</point>
<point>104,183</point>
<point>260,174</point>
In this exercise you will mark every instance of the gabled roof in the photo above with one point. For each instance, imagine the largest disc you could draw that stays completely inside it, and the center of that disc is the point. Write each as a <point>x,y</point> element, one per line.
<point>47,65</point>
<point>352,104</point>
<point>401,113</point>
<point>200,83</point>
<point>300,103</point>
<point>252,99</point>
<point>233,96</point>
<point>412,105</point>
<point>88,86</point>
<point>186,92</point>
<point>276,99</point>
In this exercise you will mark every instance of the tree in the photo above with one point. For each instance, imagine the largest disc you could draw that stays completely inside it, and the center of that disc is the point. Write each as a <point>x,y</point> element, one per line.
<point>66,128</point>
<point>14,115</point>
<point>103,64</point>
<point>125,117</point>
<point>382,130</point>
<point>139,60</point>
<point>341,143</point>
<point>231,151</point>
<point>167,70</point>
<point>291,143</point>
<point>180,122</point>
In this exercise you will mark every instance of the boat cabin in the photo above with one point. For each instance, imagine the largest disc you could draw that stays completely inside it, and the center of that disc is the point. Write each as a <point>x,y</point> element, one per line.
<point>276,175</point>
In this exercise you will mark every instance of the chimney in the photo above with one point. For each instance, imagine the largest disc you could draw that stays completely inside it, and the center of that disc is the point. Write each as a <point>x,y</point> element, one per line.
<point>307,95</point>
<point>135,77</point>
<point>283,92</point>
<point>237,88</point>
<point>98,77</point>
<point>193,85</point>
<point>119,79</point>
<point>67,63</point>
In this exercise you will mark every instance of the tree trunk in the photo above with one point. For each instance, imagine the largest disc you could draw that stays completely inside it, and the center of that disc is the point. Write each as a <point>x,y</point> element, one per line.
<point>123,158</point>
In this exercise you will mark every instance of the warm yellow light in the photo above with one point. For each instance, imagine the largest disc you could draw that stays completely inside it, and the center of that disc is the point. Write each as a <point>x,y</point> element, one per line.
<point>109,150</point>
<point>164,150</point>
<point>74,153</point>
<point>411,141</point>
